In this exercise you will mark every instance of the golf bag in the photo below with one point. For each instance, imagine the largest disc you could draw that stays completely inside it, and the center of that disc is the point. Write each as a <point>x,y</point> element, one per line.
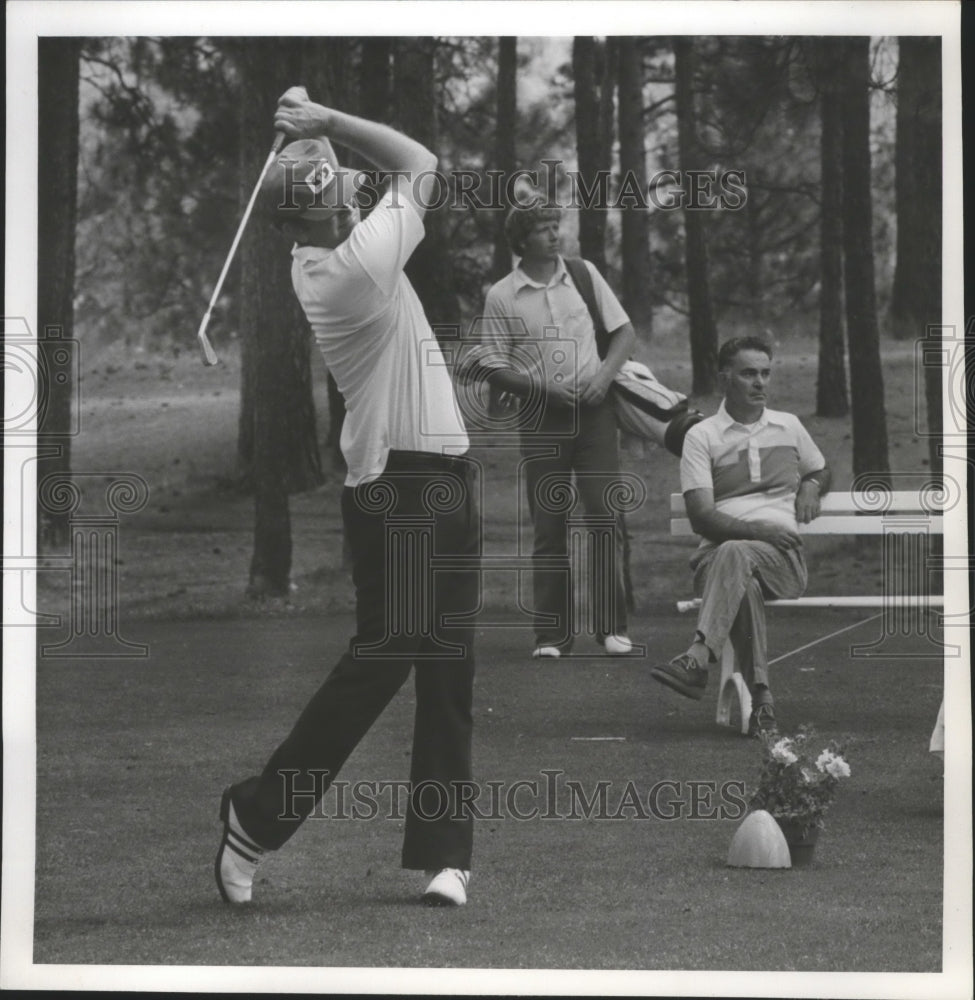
<point>648,409</point>
<point>644,406</point>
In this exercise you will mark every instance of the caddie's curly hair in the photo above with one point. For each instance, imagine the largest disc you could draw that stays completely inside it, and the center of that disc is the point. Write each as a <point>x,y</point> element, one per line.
<point>728,350</point>
<point>523,219</point>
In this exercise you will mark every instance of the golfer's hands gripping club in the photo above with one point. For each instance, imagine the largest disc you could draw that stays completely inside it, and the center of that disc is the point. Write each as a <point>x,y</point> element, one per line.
<point>298,117</point>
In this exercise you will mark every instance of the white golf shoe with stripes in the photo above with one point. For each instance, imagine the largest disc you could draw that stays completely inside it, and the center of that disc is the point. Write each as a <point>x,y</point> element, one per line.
<point>447,888</point>
<point>237,858</point>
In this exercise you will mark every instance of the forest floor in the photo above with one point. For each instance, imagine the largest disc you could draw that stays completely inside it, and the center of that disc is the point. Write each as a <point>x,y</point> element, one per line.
<point>132,754</point>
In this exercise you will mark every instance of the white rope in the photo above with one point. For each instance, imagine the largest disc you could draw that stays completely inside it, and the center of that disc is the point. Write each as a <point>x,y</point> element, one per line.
<point>823,638</point>
<point>868,601</point>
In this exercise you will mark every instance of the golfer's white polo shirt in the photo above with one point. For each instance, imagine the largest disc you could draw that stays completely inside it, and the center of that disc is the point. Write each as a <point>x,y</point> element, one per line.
<point>552,318</point>
<point>753,469</point>
<point>377,343</point>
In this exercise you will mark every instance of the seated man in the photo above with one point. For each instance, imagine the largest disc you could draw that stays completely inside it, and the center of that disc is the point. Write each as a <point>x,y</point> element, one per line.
<point>748,475</point>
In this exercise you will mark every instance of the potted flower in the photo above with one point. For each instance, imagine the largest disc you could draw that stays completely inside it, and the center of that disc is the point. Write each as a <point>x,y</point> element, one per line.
<point>797,784</point>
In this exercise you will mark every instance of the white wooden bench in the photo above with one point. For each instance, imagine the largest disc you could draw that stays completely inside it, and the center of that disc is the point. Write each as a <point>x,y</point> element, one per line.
<point>903,517</point>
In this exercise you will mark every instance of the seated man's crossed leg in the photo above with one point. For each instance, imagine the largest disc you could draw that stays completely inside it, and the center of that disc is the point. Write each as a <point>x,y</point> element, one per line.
<point>733,580</point>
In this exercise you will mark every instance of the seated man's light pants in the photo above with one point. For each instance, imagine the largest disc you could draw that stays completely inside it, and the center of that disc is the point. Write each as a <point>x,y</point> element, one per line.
<point>733,580</point>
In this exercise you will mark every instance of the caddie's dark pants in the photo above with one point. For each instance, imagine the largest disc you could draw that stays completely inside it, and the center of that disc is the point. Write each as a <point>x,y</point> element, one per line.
<point>421,509</point>
<point>584,441</point>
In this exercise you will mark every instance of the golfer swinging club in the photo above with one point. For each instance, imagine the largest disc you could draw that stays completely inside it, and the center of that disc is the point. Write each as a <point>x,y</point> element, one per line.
<point>403,442</point>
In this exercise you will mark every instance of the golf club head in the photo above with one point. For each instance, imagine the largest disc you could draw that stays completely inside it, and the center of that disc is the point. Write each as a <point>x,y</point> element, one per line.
<point>209,354</point>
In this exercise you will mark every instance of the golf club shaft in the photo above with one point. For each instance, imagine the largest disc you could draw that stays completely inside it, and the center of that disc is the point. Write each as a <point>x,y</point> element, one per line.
<point>209,355</point>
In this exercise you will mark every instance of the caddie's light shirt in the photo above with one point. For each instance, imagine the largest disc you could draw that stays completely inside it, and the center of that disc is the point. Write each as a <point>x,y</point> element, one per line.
<point>753,469</point>
<point>377,343</point>
<point>546,328</point>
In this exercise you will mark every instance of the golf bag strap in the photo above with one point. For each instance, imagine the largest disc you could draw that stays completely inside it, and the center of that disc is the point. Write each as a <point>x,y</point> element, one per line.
<point>582,279</point>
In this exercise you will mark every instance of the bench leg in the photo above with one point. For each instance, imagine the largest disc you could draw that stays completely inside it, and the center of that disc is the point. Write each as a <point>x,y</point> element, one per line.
<point>730,684</point>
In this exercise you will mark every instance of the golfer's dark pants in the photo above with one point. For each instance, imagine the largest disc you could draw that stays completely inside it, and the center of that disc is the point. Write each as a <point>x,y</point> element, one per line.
<point>420,510</point>
<point>584,441</point>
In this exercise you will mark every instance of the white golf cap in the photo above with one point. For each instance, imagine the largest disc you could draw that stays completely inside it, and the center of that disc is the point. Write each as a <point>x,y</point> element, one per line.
<point>306,181</point>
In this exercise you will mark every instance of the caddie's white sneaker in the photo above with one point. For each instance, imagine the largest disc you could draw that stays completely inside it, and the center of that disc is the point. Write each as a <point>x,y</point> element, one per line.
<point>237,857</point>
<point>617,645</point>
<point>448,888</point>
<point>546,652</point>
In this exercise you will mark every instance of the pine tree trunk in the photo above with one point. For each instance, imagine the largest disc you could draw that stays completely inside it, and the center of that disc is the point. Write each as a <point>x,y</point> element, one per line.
<point>633,164</point>
<point>588,90</point>
<point>276,366</point>
<point>505,154</point>
<point>916,305</point>
<point>375,78</point>
<point>704,333</point>
<point>430,269</point>
<point>905,149</point>
<point>831,392</point>
<point>58,66</point>
<point>869,417</point>
<point>754,230</point>
<point>607,72</point>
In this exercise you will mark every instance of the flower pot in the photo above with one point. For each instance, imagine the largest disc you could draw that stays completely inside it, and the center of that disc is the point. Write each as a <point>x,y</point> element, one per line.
<point>801,840</point>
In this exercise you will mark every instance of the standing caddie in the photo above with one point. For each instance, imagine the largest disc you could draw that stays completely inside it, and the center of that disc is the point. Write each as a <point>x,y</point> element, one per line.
<point>540,344</point>
<point>749,476</point>
<point>409,501</point>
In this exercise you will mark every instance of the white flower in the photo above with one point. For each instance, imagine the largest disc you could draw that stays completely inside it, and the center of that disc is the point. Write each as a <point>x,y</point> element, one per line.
<point>838,768</point>
<point>782,752</point>
<point>833,765</point>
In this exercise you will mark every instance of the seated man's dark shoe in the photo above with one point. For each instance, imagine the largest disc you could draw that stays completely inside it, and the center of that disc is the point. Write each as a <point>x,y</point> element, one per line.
<point>683,675</point>
<point>762,719</point>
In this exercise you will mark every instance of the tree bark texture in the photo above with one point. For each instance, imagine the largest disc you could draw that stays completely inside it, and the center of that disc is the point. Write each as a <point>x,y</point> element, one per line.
<point>589,89</point>
<point>831,391</point>
<point>916,300</point>
<point>633,173</point>
<point>704,333</point>
<point>375,79</point>
<point>870,452</point>
<point>58,67</point>
<point>505,154</point>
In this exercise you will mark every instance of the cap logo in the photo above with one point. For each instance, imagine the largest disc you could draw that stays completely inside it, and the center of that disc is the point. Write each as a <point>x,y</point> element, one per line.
<point>320,176</point>
<point>305,181</point>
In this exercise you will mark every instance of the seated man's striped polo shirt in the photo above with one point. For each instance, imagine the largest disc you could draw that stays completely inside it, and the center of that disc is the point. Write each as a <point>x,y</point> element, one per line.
<point>753,469</point>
